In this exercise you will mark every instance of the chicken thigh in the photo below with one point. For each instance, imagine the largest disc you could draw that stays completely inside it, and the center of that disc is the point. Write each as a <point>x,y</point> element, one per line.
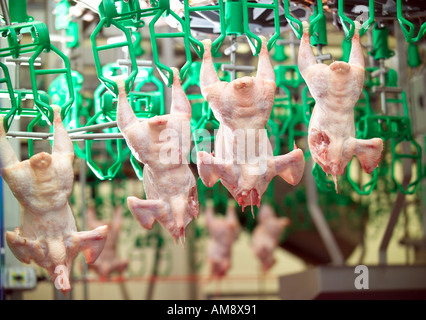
<point>266,235</point>
<point>243,159</point>
<point>162,144</point>
<point>42,186</point>
<point>107,262</point>
<point>336,89</point>
<point>222,234</point>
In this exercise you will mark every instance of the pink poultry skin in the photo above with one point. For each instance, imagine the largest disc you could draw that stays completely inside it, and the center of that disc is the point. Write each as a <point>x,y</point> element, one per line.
<point>108,262</point>
<point>243,107</point>
<point>223,232</point>
<point>42,186</point>
<point>169,183</point>
<point>336,89</point>
<point>267,234</point>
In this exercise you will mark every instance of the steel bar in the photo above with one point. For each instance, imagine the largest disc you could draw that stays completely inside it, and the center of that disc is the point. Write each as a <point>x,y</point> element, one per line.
<point>317,216</point>
<point>5,10</point>
<point>49,136</point>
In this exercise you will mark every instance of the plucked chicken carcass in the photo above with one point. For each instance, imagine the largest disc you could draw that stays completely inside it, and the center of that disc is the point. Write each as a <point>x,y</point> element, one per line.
<point>42,186</point>
<point>243,159</point>
<point>336,89</point>
<point>108,262</point>
<point>162,144</point>
<point>222,234</point>
<point>267,234</point>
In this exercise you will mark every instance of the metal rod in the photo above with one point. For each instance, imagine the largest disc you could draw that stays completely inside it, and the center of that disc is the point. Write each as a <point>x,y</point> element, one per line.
<point>233,58</point>
<point>140,63</point>
<point>94,127</point>
<point>397,207</point>
<point>383,84</point>
<point>231,67</point>
<point>5,11</point>
<point>82,178</point>
<point>49,136</point>
<point>319,220</point>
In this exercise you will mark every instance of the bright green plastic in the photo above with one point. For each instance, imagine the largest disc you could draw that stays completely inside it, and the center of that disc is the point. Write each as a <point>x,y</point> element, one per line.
<point>234,18</point>
<point>349,31</point>
<point>63,21</point>
<point>407,27</point>
<point>40,43</point>
<point>413,55</point>
<point>165,71</point>
<point>288,75</point>
<point>44,107</point>
<point>279,52</point>
<point>127,13</point>
<point>346,48</point>
<point>380,43</point>
<point>294,23</point>
<point>396,129</point>
<point>39,35</point>
<point>108,82</point>
<point>105,171</point>
<point>253,39</point>
<point>317,26</point>
<point>411,188</point>
<point>18,11</point>
<point>197,45</point>
<point>137,44</point>
<point>8,113</point>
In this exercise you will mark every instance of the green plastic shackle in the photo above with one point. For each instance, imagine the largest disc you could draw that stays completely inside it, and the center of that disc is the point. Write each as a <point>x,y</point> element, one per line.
<point>39,35</point>
<point>128,13</point>
<point>349,31</point>
<point>63,21</point>
<point>165,71</point>
<point>118,155</point>
<point>154,99</point>
<point>44,107</point>
<point>197,45</point>
<point>234,18</point>
<point>413,55</point>
<point>380,43</point>
<point>108,82</point>
<point>317,25</point>
<point>368,187</point>
<point>323,184</point>
<point>256,46</point>
<point>279,52</point>
<point>294,23</point>
<point>411,188</point>
<point>8,114</point>
<point>18,11</point>
<point>288,76</point>
<point>404,23</point>
<point>40,43</point>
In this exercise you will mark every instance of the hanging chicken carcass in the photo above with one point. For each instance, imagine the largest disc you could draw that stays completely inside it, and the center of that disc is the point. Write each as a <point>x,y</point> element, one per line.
<point>243,159</point>
<point>108,262</point>
<point>162,144</point>
<point>336,89</point>
<point>267,234</point>
<point>223,232</point>
<point>42,186</point>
